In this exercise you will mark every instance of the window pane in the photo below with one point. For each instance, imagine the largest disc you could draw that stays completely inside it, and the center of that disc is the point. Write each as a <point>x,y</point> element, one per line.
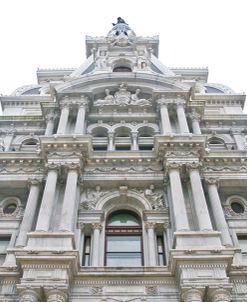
<point>124,259</point>
<point>4,242</point>
<point>161,259</point>
<point>123,219</point>
<point>123,244</point>
<point>243,243</point>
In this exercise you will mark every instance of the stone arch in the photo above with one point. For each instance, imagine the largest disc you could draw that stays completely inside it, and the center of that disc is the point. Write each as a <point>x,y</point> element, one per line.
<point>122,63</point>
<point>118,200</point>
<point>153,127</point>
<point>19,140</point>
<point>93,127</point>
<point>117,127</point>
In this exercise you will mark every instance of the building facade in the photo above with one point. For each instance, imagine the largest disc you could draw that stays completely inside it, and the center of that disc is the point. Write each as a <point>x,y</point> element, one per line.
<point>123,180</point>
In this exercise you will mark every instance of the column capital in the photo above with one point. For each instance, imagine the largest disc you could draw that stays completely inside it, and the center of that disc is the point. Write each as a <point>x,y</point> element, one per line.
<point>192,294</point>
<point>96,226</point>
<point>150,225</point>
<point>212,181</point>
<point>220,294</point>
<point>53,166</point>
<point>56,295</point>
<point>194,165</point>
<point>83,101</point>
<point>179,102</point>
<point>173,165</point>
<point>194,116</point>
<point>34,181</point>
<point>73,166</point>
<point>29,294</point>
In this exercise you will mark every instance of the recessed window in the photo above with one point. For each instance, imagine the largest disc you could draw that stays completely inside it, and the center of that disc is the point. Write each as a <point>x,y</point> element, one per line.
<point>146,147</point>
<point>123,240</point>
<point>10,208</point>
<point>123,147</point>
<point>122,69</point>
<point>237,207</point>
<point>161,251</point>
<point>242,239</point>
<point>4,242</point>
<point>87,251</point>
<point>99,148</point>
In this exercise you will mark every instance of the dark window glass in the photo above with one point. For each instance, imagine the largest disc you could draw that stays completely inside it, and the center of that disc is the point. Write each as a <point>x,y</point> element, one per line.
<point>122,69</point>
<point>123,240</point>
<point>161,251</point>
<point>100,148</point>
<point>9,209</point>
<point>242,239</point>
<point>123,148</point>
<point>4,242</point>
<point>86,253</point>
<point>237,207</point>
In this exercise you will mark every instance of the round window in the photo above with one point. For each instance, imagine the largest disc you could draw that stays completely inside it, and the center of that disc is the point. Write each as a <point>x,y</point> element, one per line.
<point>237,207</point>
<point>9,209</point>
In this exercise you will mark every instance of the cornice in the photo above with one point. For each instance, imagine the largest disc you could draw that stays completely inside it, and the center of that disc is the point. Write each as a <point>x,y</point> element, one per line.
<point>143,79</point>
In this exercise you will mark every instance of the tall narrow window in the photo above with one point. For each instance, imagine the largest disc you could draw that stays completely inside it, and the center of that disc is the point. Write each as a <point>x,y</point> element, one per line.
<point>242,239</point>
<point>4,242</point>
<point>161,251</point>
<point>86,252</point>
<point>123,240</point>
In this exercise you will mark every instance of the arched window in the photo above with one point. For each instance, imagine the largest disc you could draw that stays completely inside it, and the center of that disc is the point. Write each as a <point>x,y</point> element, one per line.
<point>123,245</point>
<point>122,69</point>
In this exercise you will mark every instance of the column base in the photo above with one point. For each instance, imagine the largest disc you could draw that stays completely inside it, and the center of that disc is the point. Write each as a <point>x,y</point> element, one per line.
<point>197,240</point>
<point>51,241</point>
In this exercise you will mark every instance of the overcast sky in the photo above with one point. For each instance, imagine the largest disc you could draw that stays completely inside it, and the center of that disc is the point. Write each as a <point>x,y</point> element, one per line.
<point>193,33</point>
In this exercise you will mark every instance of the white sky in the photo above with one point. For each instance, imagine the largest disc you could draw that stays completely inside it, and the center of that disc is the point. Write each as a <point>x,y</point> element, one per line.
<point>193,33</point>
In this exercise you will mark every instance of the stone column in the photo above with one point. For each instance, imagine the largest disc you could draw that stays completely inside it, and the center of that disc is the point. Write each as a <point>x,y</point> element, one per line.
<point>178,202</point>
<point>200,203</point>
<point>164,114</point>
<point>182,121</point>
<point>96,243</point>
<point>69,201</point>
<point>134,146</point>
<point>195,117</point>
<point>218,212</point>
<point>151,240</point>
<point>63,121</point>
<point>192,295</point>
<point>45,212</point>
<point>30,212</point>
<point>111,146</point>
<point>56,295</point>
<point>238,137</point>
<point>80,119</point>
<point>29,295</point>
<point>220,295</point>
<point>50,122</point>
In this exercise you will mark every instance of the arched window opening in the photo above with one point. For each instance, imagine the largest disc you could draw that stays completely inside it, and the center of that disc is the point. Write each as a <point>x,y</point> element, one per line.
<point>123,139</point>
<point>123,240</point>
<point>122,69</point>
<point>145,138</point>
<point>216,143</point>
<point>29,144</point>
<point>100,139</point>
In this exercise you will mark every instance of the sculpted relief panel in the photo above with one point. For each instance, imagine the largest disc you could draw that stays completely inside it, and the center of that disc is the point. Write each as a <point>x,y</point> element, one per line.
<point>155,197</point>
<point>123,97</point>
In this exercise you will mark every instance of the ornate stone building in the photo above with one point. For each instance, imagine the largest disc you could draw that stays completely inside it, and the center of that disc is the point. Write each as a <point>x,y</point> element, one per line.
<point>123,180</point>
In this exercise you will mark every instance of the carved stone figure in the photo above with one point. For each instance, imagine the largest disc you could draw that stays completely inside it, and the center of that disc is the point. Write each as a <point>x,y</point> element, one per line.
<point>136,101</point>
<point>108,99</point>
<point>155,198</point>
<point>122,97</point>
<point>91,199</point>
